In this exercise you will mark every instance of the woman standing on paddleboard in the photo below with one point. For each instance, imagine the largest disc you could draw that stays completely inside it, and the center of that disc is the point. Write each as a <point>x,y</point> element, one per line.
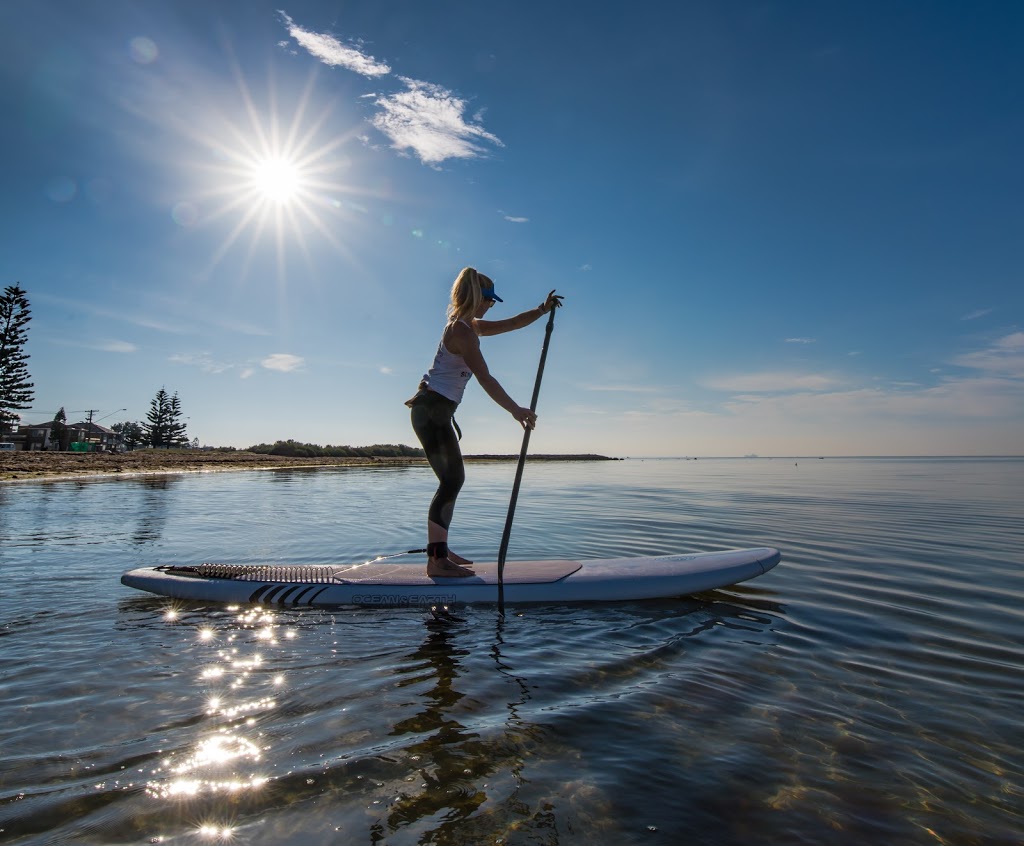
<point>458,359</point>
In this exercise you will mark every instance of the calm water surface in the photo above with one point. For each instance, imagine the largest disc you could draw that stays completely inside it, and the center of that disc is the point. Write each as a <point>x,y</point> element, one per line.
<point>869,689</point>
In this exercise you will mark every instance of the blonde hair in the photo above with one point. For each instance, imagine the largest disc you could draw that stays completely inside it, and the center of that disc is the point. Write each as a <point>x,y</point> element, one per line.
<point>466,294</point>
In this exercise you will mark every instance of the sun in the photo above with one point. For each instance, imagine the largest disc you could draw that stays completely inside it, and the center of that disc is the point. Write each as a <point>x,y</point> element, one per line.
<point>277,179</point>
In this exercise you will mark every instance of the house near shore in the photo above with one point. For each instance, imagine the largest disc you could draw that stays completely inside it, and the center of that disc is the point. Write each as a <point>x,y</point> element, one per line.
<point>32,438</point>
<point>79,437</point>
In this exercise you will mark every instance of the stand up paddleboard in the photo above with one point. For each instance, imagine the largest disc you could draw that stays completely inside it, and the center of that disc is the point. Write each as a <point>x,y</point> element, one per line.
<point>384,583</point>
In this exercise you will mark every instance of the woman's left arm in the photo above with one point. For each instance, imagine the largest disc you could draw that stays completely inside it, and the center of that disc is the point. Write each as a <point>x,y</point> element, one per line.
<point>509,324</point>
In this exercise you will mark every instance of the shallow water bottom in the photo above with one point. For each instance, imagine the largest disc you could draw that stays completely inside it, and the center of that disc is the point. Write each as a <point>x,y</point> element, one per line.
<point>867,688</point>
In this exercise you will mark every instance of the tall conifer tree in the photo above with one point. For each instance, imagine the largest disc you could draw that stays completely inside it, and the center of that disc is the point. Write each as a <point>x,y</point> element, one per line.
<point>164,426</point>
<point>176,428</point>
<point>15,388</point>
<point>158,421</point>
<point>58,430</point>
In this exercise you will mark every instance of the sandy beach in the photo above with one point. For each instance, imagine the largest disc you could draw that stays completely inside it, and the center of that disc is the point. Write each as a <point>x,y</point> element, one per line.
<point>29,466</point>
<point>41,466</point>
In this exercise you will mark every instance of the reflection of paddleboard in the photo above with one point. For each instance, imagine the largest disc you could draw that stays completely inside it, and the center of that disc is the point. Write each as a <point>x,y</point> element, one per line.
<point>391,584</point>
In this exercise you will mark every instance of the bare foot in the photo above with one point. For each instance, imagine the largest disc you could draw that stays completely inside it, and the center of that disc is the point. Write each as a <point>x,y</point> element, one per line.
<point>458,559</point>
<point>446,568</point>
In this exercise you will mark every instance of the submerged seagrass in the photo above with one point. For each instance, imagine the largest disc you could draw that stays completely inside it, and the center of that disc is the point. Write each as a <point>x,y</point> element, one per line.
<point>866,690</point>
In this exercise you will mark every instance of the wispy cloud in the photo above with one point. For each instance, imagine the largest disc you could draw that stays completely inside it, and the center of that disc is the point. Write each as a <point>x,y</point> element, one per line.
<point>995,391</point>
<point>204,361</point>
<point>238,327</point>
<point>423,119</point>
<point>283,362</point>
<point>332,52</point>
<point>974,315</point>
<point>143,317</point>
<point>773,382</point>
<point>117,346</point>
<point>975,398</point>
<point>1005,357</point>
<point>143,321</point>
<point>801,340</point>
<point>430,121</point>
<point>513,219</point>
<point>111,346</point>
<point>832,411</point>
<point>623,388</point>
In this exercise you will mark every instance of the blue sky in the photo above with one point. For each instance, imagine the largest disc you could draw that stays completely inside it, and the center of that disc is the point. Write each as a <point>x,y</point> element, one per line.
<point>781,228</point>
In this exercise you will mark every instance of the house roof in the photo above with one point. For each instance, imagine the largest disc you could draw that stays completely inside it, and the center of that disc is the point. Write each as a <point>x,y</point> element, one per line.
<point>92,428</point>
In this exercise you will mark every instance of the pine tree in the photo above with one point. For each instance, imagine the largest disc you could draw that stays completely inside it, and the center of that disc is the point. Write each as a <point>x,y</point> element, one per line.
<point>176,435</point>
<point>58,429</point>
<point>157,426</point>
<point>15,389</point>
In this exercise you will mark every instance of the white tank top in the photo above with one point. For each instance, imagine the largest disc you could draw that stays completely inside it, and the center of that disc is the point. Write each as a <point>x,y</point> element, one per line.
<point>449,374</point>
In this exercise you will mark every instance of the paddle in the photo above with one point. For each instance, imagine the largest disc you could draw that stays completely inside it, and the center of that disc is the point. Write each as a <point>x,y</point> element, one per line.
<point>503,550</point>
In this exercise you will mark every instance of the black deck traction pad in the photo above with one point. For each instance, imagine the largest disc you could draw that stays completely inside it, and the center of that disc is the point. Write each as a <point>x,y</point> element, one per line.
<point>300,574</point>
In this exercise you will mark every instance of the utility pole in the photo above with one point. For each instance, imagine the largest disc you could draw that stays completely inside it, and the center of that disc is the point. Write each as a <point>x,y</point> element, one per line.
<point>88,423</point>
<point>88,431</point>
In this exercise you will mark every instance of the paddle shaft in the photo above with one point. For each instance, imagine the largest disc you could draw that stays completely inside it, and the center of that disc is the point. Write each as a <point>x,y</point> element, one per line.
<point>507,533</point>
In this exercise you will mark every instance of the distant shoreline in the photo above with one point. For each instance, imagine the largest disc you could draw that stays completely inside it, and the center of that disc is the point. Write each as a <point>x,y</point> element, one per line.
<point>54,466</point>
<point>543,457</point>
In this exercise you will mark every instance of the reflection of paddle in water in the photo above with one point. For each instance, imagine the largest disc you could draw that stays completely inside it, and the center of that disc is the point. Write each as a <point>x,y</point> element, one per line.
<point>448,758</point>
<point>459,769</point>
<point>507,670</point>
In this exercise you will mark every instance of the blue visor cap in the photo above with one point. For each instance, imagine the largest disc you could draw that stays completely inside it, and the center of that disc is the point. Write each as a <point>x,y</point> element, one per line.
<point>490,295</point>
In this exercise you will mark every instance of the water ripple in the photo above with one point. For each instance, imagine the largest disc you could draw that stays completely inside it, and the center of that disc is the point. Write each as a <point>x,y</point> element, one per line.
<point>868,689</point>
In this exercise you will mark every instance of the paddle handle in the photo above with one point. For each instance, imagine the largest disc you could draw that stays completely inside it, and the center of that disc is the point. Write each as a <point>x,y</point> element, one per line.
<point>507,533</point>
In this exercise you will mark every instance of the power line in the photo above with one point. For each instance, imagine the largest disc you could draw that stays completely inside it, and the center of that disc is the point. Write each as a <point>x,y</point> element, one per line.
<point>90,411</point>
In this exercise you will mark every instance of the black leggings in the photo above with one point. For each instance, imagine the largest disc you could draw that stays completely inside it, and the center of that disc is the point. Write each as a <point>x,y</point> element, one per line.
<point>432,421</point>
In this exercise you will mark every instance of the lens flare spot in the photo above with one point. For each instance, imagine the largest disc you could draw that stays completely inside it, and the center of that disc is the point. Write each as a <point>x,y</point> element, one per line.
<point>61,189</point>
<point>143,50</point>
<point>185,214</point>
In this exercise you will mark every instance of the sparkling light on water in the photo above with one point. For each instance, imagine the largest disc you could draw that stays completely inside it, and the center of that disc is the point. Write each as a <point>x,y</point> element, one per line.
<point>865,690</point>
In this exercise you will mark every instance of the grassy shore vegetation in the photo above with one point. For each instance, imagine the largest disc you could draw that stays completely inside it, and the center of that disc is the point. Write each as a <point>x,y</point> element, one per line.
<point>294,448</point>
<point>24,465</point>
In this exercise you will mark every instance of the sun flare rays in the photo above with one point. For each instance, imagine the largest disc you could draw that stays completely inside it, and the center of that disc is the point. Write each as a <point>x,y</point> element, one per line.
<point>273,179</point>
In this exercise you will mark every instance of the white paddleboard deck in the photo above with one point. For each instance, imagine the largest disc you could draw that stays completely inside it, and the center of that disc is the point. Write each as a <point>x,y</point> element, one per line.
<point>381,583</point>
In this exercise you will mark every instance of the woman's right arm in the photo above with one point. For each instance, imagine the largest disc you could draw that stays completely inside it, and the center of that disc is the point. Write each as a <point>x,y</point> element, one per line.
<point>467,344</point>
